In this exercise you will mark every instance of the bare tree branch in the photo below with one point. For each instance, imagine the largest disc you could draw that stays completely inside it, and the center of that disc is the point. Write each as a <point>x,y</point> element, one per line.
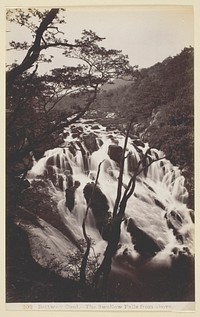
<point>120,179</point>
<point>119,207</point>
<point>34,51</point>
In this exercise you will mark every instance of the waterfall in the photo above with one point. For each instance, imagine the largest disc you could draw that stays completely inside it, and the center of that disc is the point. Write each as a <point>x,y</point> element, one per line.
<point>158,205</point>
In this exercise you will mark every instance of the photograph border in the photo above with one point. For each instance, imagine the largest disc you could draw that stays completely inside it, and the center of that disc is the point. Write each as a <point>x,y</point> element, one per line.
<point>77,311</point>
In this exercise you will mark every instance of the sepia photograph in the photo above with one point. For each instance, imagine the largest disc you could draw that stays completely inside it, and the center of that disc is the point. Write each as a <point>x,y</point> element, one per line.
<point>100,157</point>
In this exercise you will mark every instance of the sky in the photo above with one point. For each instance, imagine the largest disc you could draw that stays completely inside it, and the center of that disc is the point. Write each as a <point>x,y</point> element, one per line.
<point>147,34</point>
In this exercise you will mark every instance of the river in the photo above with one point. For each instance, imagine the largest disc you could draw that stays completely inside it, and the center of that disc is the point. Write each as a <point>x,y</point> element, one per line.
<point>158,208</point>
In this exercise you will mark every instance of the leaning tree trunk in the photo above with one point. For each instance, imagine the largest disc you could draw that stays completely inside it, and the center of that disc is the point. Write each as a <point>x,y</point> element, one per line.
<point>105,267</point>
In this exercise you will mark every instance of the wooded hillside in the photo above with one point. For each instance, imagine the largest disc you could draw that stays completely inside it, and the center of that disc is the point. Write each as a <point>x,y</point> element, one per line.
<point>161,99</point>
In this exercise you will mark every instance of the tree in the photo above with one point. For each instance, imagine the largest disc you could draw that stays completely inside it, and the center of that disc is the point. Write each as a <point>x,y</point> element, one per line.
<point>33,119</point>
<point>118,215</point>
<point>119,209</point>
<point>44,37</point>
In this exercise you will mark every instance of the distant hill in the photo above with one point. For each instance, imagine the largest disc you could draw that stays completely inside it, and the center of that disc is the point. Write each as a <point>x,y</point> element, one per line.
<point>161,100</point>
<point>72,101</point>
<point>116,84</point>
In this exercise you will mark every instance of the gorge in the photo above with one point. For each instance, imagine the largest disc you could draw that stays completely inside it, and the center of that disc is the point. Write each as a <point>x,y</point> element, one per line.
<point>155,256</point>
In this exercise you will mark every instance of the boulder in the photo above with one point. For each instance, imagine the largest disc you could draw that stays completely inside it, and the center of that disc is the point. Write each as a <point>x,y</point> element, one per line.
<point>115,152</point>
<point>50,161</point>
<point>69,179</point>
<point>90,142</point>
<point>98,204</point>
<point>144,244</point>
<point>75,135</point>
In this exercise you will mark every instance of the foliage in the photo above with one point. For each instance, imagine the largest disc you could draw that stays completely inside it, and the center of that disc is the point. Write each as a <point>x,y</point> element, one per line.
<point>74,263</point>
<point>33,123</point>
<point>161,100</point>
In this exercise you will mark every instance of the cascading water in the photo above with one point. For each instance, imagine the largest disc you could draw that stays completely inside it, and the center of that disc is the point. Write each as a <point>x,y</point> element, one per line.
<point>158,206</point>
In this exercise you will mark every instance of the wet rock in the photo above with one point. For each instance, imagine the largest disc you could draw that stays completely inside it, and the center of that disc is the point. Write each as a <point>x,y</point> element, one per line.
<point>138,143</point>
<point>115,152</point>
<point>174,222</point>
<point>132,162</point>
<point>75,135</point>
<point>69,179</point>
<point>59,162</point>
<point>100,142</point>
<point>90,142</point>
<point>162,165</point>
<point>50,173</point>
<point>98,204</point>
<point>110,127</point>
<point>70,195</point>
<point>74,130</point>
<point>50,161</point>
<point>113,139</point>
<point>68,167</point>
<point>144,244</point>
<point>65,134</point>
<point>95,127</point>
<point>159,204</point>
<point>72,148</point>
<point>60,182</point>
<point>84,156</point>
